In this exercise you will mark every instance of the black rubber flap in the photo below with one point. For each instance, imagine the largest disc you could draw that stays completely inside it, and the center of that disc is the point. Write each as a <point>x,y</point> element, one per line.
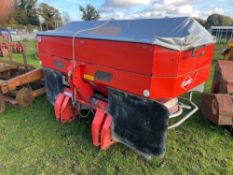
<point>53,84</point>
<point>139,123</point>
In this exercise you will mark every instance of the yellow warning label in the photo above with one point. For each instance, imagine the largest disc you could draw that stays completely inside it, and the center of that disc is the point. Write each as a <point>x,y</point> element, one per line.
<point>89,77</point>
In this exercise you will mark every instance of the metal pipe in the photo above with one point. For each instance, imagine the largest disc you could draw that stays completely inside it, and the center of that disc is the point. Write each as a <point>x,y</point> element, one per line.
<point>184,106</point>
<point>220,37</point>
<point>217,34</point>
<point>74,52</point>
<point>190,96</point>
<point>195,109</point>
<point>178,113</point>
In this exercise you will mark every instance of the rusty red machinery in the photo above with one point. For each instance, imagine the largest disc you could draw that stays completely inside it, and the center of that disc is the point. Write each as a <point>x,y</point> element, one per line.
<point>20,83</point>
<point>4,50</point>
<point>217,106</point>
<point>129,73</point>
<point>7,46</point>
<point>4,40</point>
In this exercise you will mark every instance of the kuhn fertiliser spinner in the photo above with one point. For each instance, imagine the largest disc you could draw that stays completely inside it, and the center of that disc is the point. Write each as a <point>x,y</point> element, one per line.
<point>130,73</point>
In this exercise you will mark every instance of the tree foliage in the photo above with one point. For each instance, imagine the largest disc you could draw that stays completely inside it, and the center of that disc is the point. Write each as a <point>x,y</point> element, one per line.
<point>25,12</point>
<point>218,20</point>
<point>89,13</point>
<point>201,21</point>
<point>28,13</point>
<point>50,14</point>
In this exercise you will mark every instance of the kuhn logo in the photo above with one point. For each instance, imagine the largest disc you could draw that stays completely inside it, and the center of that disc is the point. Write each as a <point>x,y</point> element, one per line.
<point>187,82</point>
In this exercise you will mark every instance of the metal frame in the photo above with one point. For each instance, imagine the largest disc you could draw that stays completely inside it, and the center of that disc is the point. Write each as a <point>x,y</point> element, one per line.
<point>191,105</point>
<point>16,82</point>
<point>221,32</point>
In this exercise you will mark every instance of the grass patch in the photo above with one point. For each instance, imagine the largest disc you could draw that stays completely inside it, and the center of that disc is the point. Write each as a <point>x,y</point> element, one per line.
<point>32,142</point>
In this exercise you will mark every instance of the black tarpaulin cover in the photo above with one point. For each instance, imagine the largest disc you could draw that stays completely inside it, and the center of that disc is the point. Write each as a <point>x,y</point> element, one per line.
<point>181,33</point>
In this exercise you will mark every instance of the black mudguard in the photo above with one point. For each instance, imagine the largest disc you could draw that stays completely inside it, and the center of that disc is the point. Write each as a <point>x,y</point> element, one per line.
<point>139,123</point>
<point>53,84</point>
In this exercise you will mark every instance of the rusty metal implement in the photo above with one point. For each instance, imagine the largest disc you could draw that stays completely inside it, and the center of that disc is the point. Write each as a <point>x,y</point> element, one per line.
<point>218,106</point>
<point>20,83</point>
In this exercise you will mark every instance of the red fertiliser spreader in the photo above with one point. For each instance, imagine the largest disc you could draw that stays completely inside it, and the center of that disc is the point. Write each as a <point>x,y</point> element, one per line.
<point>129,74</point>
